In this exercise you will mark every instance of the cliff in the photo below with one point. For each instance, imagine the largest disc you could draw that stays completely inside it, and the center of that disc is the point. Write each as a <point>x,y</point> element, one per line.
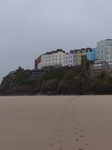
<point>56,81</point>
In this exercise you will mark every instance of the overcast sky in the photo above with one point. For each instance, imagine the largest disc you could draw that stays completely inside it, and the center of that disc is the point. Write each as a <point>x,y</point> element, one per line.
<point>29,28</point>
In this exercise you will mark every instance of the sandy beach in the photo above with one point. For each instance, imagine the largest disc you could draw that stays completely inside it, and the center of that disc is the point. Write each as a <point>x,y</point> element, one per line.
<point>56,123</point>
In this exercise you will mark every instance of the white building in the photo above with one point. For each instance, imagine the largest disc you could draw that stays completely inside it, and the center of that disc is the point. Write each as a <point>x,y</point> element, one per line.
<point>54,58</point>
<point>101,48</point>
<point>65,59</point>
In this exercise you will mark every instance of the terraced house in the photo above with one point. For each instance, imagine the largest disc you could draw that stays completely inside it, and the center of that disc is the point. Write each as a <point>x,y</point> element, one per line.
<point>102,47</point>
<point>75,57</point>
<point>37,64</point>
<point>70,58</point>
<point>109,53</point>
<point>60,58</point>
<point>91,53</point>
<point>53,58</point>
<point>80,54</point>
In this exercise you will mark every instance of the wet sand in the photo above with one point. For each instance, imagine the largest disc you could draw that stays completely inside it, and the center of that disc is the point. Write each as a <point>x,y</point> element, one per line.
<point>56,123</point>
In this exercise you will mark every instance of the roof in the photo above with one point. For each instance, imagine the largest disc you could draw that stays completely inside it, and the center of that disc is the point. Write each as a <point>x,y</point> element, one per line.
<point>108,39</point>
<point>55,51</point>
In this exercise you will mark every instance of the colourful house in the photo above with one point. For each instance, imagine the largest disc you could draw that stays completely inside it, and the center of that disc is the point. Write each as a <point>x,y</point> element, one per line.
<point>37,61</point>
<point>75,57</point>
<point>80,54</point>
<point>91,53</point>
<point>70,58</point>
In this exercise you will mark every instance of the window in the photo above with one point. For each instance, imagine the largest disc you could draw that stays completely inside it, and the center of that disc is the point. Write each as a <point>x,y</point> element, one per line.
<point>109,66</point>
<point>101,51</point>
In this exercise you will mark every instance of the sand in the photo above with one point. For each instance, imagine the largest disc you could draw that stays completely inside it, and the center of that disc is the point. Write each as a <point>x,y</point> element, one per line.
<point>56,123</point>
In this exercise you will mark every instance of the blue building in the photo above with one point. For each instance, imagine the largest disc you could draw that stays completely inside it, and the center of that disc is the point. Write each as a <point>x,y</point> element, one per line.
<point>91,53</point>
<point>75,57</point>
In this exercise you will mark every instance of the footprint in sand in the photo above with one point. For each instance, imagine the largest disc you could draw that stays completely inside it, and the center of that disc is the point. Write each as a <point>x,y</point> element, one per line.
<point>59,135</point>
<point>76,133</point>
<point>60,141</point>
<point>81,136</point>
<point>55,129</point>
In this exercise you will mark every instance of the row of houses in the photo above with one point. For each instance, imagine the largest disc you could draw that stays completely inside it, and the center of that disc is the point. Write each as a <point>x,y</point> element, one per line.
<point>61,58</point>
<point>103,52</point>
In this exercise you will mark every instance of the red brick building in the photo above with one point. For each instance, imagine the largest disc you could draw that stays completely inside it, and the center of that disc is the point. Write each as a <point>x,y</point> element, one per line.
<point>37,61</point>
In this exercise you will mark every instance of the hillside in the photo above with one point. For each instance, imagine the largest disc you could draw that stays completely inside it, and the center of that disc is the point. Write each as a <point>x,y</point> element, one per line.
<point>56,81</point>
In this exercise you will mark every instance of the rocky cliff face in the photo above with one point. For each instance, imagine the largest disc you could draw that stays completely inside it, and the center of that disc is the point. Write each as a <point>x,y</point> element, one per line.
<point>61,81</point>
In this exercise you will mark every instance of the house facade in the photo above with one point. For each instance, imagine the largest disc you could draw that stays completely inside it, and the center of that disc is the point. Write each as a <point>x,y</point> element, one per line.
<point>101,48</point>
<point>80,54</point>
<point>53,58</point>
<point>109,53</point>
<point>75,57</point>
<point>37,63</point>
<point>91,53</point>
<point>65,59</point>
<point>70,58</point>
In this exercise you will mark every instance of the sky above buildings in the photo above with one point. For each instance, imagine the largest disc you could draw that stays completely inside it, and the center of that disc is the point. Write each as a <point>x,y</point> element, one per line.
<point>29,28</point>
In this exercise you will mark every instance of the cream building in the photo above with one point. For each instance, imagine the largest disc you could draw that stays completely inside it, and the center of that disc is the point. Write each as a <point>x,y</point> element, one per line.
<point>54,58</point>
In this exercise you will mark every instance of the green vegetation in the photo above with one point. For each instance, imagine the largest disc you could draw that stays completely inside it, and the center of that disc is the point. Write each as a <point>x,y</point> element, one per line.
<point>22,77</point>
<point>63,80</point>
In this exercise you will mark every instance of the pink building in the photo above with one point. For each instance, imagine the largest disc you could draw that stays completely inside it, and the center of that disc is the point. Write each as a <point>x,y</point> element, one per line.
<point>70,58</point>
